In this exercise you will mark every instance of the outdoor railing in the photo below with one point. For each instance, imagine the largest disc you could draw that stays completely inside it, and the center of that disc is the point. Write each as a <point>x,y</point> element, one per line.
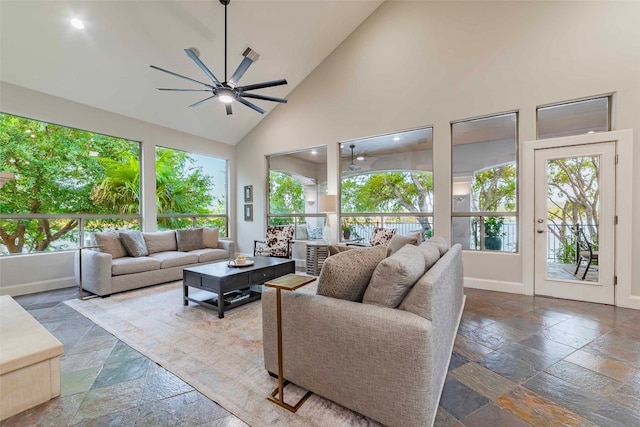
<point>361,225</point>
<point>72,230</point>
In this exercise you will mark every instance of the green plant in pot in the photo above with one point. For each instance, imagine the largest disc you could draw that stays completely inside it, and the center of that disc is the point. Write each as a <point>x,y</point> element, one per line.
<point>493,233</point>
<point>346,230</point>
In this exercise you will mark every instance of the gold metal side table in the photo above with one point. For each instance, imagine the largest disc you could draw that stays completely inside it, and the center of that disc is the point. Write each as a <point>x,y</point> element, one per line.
<point>81,296</point>
<point>290,282</point>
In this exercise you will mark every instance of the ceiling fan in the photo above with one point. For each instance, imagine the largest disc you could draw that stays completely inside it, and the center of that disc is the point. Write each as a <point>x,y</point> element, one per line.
<point>228,91</point>
<point>352,167</point>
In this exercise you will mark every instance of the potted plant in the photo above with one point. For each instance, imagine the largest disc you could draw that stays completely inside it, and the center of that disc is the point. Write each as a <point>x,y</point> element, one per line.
<point>346,230</point>
<point>493,233</point>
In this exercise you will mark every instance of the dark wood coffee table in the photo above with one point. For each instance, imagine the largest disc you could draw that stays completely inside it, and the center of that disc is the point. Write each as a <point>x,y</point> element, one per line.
<point>232,286</point>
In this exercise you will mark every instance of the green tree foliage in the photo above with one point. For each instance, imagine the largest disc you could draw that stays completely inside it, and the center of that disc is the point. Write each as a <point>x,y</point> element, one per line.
<point>494,189</point>
<point>389,192</point>
<point>59,170</point>
<point>286,194</point>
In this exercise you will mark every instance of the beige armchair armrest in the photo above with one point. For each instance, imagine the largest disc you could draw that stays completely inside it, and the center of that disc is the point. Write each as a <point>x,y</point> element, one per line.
<point>371,359</point>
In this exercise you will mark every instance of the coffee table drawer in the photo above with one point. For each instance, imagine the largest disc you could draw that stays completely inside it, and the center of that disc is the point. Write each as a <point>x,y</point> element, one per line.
<point>282,270</point>
<point>232,282</point>
<point>262,275</point>
<point>192,279</point>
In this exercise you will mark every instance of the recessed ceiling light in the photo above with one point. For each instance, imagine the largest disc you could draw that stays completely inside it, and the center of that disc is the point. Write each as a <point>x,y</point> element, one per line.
<point>314,152</point>
<point>77,23</point>
<point>397,138</point>
<point>591,131</point>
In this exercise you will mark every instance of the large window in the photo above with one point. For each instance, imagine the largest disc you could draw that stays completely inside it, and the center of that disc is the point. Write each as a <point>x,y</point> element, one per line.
<point>484,186</point>
<point>191,190</point>
<point>387,181</point>
<point>297,180</point>
<point>66,181</point>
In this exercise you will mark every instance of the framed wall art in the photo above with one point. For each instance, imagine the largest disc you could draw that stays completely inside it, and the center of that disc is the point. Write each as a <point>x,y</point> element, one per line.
<point>248,193</point>
<point>248,212</point>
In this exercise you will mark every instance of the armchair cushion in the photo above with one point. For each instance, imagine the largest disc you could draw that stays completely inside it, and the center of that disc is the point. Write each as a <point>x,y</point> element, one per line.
<point>277,243</point>
<point>210,237</point>
<point>110,243</point>
<point>381,236</point>
<point>190,239</point>
<point>346,275</point>
<point>134,243</point>
<point>394,276</point>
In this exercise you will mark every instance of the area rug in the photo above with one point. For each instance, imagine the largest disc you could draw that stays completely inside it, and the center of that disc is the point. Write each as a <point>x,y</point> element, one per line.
<point>221,358</point>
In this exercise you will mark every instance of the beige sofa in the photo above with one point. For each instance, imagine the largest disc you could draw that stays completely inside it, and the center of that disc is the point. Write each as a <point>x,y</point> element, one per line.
<point>152,258</point>
<point>388,364</point>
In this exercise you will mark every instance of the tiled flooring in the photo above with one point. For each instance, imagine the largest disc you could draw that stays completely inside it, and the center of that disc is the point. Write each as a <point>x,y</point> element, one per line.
<point>517,361</point>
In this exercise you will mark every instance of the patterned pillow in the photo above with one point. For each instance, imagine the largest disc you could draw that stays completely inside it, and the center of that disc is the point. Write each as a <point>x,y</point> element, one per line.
<point>381,236</point>
<point>346,275</point>
<point>394,276</point>
<point>190,239</point>
<point>277,241</point>
<point>134,243</point>
<point>110,243</point>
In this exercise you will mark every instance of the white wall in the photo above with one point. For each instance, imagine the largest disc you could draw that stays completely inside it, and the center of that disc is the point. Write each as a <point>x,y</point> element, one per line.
<point>20,274</point>
<point>414,64</point>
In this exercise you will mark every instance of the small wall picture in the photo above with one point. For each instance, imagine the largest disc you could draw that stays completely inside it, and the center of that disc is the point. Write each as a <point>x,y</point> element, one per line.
<point>248,212</point>
<point>248,193</point>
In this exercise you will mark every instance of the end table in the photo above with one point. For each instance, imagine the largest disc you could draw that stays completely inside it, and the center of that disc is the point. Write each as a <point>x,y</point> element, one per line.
<point>290,282</point>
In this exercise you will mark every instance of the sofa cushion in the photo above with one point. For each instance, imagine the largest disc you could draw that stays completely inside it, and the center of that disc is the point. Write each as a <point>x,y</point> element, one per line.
<point>110,243</point>
<point>431,253</point>
<point>398,241</point>
<point>174,258</point>
<point>208,254</point>
<point>190,239</point>
<point>129,265</point>
<point>134,243</point>
<point>346,275</point>
<point>394,277</point>
<point>441,243</point>
<point>160,241</point>
<point>211,237</point>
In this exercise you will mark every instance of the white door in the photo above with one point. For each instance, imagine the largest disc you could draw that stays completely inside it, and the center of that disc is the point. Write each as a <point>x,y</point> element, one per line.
<point>575,190</point>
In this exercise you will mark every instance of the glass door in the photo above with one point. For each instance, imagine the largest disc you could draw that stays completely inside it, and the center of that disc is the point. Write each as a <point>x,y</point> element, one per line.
<point>575,222</point>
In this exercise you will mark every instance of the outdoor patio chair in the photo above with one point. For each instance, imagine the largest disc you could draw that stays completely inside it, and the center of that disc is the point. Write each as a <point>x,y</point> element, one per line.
<point>277,242</point>
<point>585,253</point>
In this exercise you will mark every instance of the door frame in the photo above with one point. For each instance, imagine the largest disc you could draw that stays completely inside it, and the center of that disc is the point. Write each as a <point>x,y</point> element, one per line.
<point>624,193</point>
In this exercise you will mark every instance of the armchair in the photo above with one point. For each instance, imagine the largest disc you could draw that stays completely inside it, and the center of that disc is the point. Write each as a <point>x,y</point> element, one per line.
<point>585,252</point>
<point>379,236</point>
<point>277,242</point>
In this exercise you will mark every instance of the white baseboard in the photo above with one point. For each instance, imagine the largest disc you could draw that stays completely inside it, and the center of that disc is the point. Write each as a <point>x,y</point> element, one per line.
<point>35,287</point>
<point>629,302</point>
<point>494,285</point>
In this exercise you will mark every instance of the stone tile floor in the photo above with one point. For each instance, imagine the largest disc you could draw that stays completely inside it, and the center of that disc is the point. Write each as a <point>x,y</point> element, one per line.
<point>517,361</point>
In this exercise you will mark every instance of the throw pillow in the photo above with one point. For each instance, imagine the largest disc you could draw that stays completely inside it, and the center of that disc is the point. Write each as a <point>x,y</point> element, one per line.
<point>314,233</point>
<point>381,236</point>
<point>442,244</point>
<point>110,243</point>
<point>431,254</point>
<point>398,241</point>
<point>210,237</point>
<point>301,232</point>
<point>190,239</point>
<point>394,277</point>
<point>134,243</point>
<point>346,275</point>
<point>160,241</point>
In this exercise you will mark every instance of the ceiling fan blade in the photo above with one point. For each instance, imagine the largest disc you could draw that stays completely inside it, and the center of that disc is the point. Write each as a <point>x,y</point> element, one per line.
<point>229,110</point>
<point>262,85</point>
<point>179,75</point>
<point>203,101</point>
<point>200,64</point>
<point>263,97</point>
<point>186,90</point>
<point>250,105</point>
<point>242,68</point>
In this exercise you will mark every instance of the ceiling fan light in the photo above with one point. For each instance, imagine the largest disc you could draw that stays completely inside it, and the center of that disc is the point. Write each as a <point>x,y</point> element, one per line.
<point>225,95</point>
<point>225,99</point>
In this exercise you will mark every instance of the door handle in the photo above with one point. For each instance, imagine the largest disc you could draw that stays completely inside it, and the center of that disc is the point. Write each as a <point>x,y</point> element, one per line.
<point>540,230</point>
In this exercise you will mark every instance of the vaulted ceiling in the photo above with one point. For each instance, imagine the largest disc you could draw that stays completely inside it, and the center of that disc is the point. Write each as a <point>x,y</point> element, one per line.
<point>106,65</point>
